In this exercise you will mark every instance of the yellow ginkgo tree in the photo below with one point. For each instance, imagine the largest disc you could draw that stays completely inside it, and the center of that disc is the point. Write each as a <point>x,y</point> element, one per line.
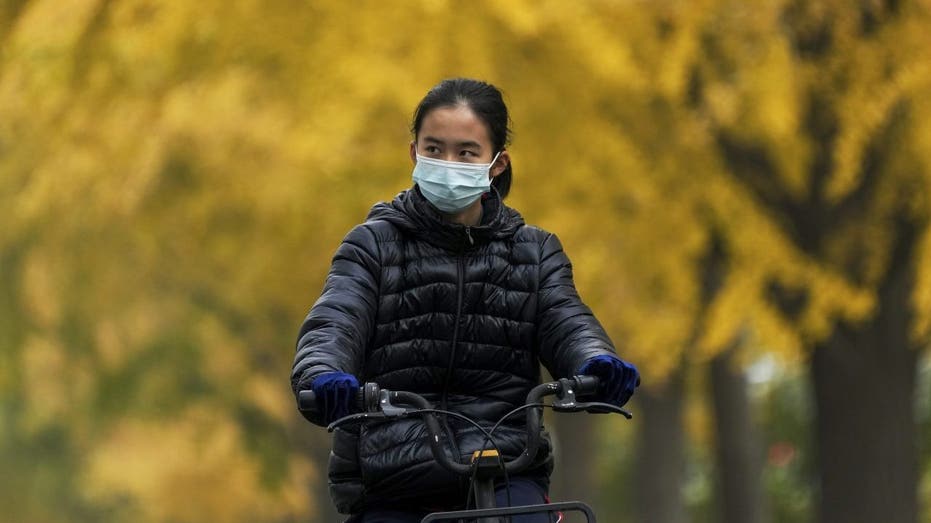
<point>175,176</point>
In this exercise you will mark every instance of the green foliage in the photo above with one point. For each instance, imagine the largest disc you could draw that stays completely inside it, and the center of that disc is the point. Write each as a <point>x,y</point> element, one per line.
<point>786,415</point>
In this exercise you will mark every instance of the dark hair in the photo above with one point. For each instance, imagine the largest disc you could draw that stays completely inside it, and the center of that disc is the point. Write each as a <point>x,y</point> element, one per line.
<point>486,102</point>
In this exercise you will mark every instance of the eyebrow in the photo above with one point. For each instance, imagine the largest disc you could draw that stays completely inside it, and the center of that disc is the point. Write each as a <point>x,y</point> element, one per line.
<point>467,143</point>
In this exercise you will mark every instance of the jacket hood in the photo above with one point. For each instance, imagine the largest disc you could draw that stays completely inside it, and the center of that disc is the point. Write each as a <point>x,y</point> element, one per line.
<point>411,212</point>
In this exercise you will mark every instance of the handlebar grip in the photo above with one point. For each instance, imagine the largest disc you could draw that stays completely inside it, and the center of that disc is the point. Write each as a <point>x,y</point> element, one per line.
<point>307,401</point>
<point>586,385</point>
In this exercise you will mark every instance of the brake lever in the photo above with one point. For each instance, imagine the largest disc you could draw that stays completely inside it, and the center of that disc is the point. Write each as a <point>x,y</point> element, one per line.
<point>381,409</point>
<point>596,407</point>
<point>592,407</point>
<point>355,418</point>
<point>389,409</point>
<point>566,402</point>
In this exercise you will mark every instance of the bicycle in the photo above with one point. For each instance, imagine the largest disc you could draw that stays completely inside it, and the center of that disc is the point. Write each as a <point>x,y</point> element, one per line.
<point>486,464</point>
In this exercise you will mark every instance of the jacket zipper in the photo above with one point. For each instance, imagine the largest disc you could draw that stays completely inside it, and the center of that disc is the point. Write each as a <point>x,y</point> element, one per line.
<point>460,291</point>
<point>460,284</point>
<point>444,398</point>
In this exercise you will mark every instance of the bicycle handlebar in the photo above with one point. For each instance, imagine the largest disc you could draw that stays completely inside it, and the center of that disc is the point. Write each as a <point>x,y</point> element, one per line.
<point>377,403</point>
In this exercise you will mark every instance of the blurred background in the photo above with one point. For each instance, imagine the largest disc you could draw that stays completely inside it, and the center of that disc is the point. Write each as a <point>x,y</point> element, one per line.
<point>744,187</point>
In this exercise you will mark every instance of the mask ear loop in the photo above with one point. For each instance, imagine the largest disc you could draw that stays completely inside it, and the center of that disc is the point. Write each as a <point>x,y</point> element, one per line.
<point>490,177</point>
<point>492,164</point>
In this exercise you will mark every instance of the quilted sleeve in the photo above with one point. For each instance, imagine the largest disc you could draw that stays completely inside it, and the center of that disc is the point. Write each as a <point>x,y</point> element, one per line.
<point>567,331</point>
<point>337,330</point>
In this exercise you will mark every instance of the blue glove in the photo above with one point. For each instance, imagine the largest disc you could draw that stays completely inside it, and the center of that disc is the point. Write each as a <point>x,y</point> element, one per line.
<point>335,394</point>
<point>618,378</point>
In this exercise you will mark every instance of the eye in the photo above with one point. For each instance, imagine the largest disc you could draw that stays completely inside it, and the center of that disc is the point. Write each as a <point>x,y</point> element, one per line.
<point>468,154</point>
<point>431,149</point>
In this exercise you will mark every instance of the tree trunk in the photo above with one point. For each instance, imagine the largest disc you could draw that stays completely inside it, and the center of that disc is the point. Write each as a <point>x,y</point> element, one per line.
<point>572,479</point>
<point>739,460</point>
<point>660,467</point>
<point>864,381</point>
<point>326,511</point>
<point>575,458</point>
<point>315,443</point>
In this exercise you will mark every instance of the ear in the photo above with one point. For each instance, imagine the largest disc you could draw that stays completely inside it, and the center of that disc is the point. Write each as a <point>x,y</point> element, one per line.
<point>413,152</point>
<point>504,159</point>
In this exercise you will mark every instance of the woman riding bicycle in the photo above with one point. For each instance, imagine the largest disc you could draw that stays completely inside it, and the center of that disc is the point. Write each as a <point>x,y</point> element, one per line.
<point>446,292</point>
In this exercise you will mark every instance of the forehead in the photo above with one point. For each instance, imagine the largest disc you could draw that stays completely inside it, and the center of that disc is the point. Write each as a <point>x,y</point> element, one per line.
<point>454,125</point>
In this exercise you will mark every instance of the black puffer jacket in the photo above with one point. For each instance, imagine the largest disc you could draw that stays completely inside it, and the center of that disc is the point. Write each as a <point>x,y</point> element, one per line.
<point>462,315</point>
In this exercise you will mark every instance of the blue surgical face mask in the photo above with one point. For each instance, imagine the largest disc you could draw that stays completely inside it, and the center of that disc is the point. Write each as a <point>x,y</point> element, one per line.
<point>452,186</point>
